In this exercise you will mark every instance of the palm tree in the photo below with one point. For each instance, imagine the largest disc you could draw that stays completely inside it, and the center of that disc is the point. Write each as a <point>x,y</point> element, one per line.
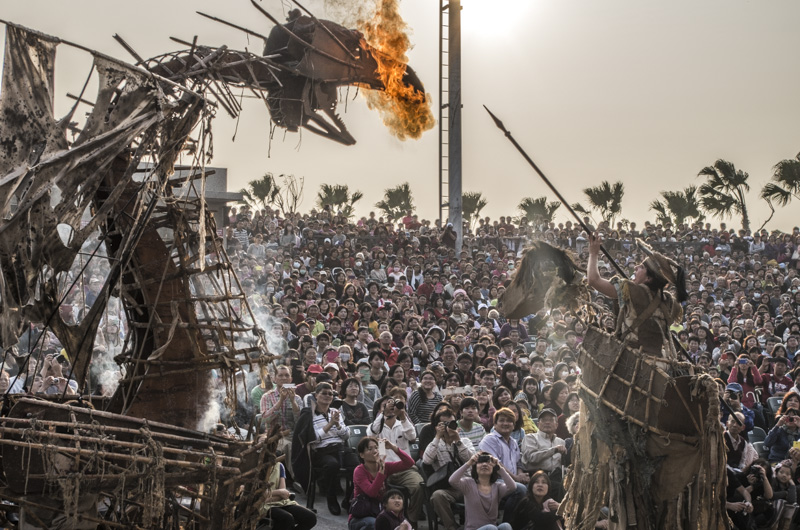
<point>723,193</point>
<point>786,182</point>
<point>338,198</point>
<point>605,198</point>
<point>397,202</point>
<point>538,210</point>
<point>472,202</point>
<point>678,206</point>
<point>261,193</point>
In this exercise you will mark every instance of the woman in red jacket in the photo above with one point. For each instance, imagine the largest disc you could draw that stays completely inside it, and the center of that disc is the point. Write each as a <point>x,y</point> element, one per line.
<point>369,480</point>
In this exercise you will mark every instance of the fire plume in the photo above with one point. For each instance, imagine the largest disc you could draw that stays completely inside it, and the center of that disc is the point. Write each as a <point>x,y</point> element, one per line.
<point>405,110</point>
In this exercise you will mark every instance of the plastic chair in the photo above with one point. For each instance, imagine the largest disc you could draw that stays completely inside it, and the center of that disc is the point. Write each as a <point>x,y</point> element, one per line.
<point>774,404</point>
<point>762,452</point>
<point>756,435</point>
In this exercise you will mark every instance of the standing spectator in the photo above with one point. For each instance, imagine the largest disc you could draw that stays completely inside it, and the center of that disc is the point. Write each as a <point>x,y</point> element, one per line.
<point>482,491</point>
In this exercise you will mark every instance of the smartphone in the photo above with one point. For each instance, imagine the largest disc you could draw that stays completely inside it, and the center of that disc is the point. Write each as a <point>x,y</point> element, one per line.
<point>382,448</point>
<point>796,445</point>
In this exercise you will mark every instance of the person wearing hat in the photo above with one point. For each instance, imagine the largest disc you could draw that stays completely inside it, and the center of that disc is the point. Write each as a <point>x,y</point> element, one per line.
<point>543,450</point>
<point>311,381</point>
<point>645,295</point>
<point>733,398</point>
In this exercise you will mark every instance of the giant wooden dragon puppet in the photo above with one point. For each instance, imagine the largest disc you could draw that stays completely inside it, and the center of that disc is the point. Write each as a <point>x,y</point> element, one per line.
<point>137,459</point>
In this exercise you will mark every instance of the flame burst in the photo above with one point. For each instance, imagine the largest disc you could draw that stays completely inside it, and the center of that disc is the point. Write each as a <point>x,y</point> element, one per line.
<point>406,112</point>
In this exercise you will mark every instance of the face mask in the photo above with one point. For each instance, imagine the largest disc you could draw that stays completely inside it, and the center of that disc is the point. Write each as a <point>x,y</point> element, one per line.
<point>756,296</point>
<point>270,289</point>
<point>358,263</point>
<point>303,272</point>
<point>296,264</point>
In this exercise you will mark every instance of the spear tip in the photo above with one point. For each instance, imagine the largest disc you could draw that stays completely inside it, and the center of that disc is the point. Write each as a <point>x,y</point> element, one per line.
<point>496,120</point>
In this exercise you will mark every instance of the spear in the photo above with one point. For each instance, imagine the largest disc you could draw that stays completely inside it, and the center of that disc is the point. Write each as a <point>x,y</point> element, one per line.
<point>550,185</point>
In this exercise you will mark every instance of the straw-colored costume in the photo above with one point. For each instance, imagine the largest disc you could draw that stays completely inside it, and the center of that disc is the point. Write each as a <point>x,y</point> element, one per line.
<point>650,442</point>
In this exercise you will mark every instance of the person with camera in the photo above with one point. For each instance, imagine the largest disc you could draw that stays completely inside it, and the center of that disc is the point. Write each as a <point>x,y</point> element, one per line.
<point>369,480</point>
<point>282,406</point>
<point>482,491</point>
<point>393,424</point>
<point>446,453</point>
<point>733,398</point>
<point>757,480</point>
<point>280,509</point>
<point>783,435</point>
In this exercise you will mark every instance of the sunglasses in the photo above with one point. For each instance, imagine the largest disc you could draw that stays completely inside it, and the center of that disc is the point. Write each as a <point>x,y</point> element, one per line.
<point>326,393</point>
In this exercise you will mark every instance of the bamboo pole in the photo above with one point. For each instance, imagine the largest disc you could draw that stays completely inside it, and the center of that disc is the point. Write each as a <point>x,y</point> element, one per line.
<point>111,442</point>
<point>106,454</point>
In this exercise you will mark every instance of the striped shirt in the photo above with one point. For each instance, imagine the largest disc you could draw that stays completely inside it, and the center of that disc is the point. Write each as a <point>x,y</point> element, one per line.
<point>420,411</point>
<point>337,433</point>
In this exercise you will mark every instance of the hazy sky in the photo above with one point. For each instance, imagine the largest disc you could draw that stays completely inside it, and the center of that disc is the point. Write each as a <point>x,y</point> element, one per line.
<point>634,90</point>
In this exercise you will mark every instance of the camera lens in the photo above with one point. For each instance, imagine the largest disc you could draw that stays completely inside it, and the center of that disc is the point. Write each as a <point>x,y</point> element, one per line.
<point>399,405</point>
<point>452,425</point>
<point>483,458</point>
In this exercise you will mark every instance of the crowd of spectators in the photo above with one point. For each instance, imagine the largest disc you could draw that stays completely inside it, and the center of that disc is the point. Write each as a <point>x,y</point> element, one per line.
<point>386,325</point>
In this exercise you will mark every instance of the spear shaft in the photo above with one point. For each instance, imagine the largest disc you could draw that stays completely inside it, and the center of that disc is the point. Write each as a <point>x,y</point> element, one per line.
<point>550,185</point>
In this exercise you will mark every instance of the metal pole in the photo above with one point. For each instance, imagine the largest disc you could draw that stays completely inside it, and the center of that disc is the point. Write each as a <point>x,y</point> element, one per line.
<point>454,141</point>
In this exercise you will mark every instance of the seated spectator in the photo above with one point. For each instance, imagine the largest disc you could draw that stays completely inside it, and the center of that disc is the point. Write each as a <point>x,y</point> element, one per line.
<point>424,398</point>
<point>572,406</point>
<point>781,437</point>
<point>538,508</point>
<point>369,480</point>
<point>477,482</point>
<point>733,398</point>
<point>354,412</point>
<point>573,424</point>
<point>369,391</point>
<point>757,480</point>
<point>282,406</point>
<point>740,452</point>
<point>393,424</point>
<point>428,431</point>
<point>776,383</point>
<point>392,517</point>
<point>469,426</point>
<point>447,446</point>
<point>543,450</point>
<point>558,395</point>
<point>738,502</point>
<point>783,486</point>
<point>278,510</point>
<point>322,429</point>
<point>528,425</point>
